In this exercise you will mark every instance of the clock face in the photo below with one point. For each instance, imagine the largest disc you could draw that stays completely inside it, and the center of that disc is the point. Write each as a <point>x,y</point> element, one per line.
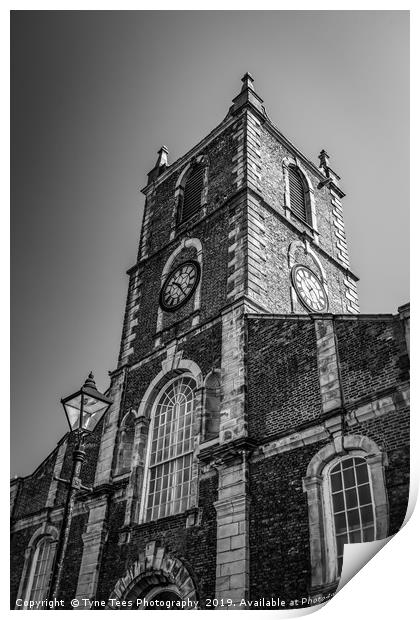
<point>309,289</point>
<point>179,285</point>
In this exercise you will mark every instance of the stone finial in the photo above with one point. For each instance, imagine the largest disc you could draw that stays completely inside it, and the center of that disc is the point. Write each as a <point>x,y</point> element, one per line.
<point>247,82</point>
<point>247,97</point>
<point>332,178</point>
<point>90,381</point>
<point>324,159</point>
<point>160,165</point>
<point>162,159</point>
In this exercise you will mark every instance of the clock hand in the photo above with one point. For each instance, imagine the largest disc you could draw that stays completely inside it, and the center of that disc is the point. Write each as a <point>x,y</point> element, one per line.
<point>178,286</point>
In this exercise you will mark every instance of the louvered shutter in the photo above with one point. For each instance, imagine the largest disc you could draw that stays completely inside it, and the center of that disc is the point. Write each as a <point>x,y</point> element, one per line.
<point>297,194</point>
<point>192,192</point>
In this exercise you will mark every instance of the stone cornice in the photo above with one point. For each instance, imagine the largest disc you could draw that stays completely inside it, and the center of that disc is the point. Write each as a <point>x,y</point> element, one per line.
<point>229,451</point>
<point>244,190</point>
<point>176,240</point>
<point>41,516</point>
<point>379,404</point>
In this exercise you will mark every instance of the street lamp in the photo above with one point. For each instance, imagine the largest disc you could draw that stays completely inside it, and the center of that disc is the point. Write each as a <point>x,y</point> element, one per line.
<point>83,410</point>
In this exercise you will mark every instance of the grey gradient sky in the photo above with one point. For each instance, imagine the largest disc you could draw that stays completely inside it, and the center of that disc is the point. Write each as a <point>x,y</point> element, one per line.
<point>94,95</point>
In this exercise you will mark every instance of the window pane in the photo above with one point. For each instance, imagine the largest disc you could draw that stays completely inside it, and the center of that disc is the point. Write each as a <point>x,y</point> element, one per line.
<point>353,519</point>
<point>355,536</point>
<point>362,474</point>
<point>338,502</point>
<point>341,541</point>
<point>351,498</point>
<point>336,483</point>
<point>349,478</point>
<point>364,494</point>
<point>368,534</point>
<point>340,523</point>
<point>367,515</point>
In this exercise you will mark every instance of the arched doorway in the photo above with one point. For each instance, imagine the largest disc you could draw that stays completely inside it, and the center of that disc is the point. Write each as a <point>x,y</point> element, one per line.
<point>156,580</point>
<point>147,595</point>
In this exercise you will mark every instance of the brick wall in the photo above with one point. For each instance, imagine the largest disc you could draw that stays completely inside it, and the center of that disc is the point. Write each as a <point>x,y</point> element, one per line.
<point>369,352</point>
<point>73,559</point>
<point>279,533</point>
<point>33,492</point>
<point>213,236</point>
<point>283,385</point>
<point>283,392</point>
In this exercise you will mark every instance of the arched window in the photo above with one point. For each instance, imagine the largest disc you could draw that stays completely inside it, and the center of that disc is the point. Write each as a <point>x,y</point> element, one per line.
<point>168,482</point>
<point>125,444</point>
<point>212,404</point>
<point>193,188</point>
<point>298,195</point>
<point>347,502</point>
<point>40,570</point>
<point>352,507</point>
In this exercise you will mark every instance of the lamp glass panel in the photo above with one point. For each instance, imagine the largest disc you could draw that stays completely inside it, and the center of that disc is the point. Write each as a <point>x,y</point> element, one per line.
<point>93,409</point>
<point>72,409</point>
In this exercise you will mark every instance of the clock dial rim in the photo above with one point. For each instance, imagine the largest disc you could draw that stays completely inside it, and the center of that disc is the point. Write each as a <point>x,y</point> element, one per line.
<point>305,303</point>
<point>184,300</point>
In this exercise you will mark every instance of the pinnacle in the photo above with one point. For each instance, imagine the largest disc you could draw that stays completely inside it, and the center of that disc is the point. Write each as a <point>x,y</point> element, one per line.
<point>247,81</point>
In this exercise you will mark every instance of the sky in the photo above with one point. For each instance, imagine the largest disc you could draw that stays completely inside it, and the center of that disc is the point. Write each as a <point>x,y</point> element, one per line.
<point>94,94</point>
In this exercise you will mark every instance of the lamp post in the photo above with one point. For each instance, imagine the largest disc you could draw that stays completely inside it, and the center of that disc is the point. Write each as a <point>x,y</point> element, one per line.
<point>83,410</point>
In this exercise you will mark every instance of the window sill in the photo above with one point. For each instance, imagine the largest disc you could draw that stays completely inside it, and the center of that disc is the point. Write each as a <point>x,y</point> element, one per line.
<point>310,228</point>
<point>119,477</point>
<point>192,516</point>
<point>207,444</point>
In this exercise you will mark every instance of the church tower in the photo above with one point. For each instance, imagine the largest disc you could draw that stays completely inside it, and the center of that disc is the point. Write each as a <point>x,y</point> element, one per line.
<point>248,209</point>
<point>242,223</point>
<point>243,379</point>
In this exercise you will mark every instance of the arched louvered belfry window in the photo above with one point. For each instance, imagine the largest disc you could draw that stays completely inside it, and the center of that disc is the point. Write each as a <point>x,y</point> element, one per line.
<point>193,188</point>
<point>297,193</point>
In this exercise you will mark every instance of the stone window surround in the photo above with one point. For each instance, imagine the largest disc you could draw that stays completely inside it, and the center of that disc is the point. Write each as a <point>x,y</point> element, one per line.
<point>172,366</point>
<point>309,195</point>
<point>146,477</point>
<point>193,242</point>
<point>125,425</point>
<point>322,545</point>
<point>180,185</point>
<point>213,373</point>
<point>45,531</point>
